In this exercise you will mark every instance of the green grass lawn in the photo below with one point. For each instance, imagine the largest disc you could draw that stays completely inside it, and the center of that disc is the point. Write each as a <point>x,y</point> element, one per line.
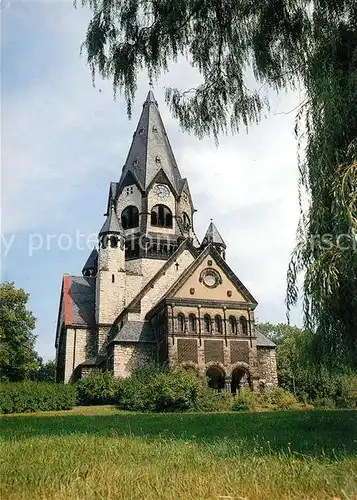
<point>101,453</point>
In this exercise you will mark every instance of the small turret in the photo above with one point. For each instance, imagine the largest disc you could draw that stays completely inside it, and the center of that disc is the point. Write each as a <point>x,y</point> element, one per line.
<point>110,284</point>
<point>112,230</point>
<point>213,236</point>
<point>91,266</point>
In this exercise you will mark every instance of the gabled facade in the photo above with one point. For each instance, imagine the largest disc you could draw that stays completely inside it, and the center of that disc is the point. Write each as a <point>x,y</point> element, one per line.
<point>152,291</point>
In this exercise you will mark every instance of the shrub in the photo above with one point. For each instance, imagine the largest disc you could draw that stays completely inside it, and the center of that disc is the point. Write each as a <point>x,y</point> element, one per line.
<point>98,388</point>
<point>245,400</point>
<point>165,391</point>
<point>347,392</point>
<point>20,397</point>
<point>160,391</point>
<point>280,399</point>
<point>324,403</point>
<point>212,401</point>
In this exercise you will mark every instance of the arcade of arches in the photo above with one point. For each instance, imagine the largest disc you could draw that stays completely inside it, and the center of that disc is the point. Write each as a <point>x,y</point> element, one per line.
<point>218,380</point>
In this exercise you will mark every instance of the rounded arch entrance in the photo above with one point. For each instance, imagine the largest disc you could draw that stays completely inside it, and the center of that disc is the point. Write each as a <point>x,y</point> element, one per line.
<point>216,376</point>
<point>241,378</point>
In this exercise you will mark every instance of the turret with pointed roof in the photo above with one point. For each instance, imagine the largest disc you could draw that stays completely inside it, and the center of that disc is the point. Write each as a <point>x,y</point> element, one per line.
<point>112,225</point>
<point>91,265</point>
<point>214,237</point>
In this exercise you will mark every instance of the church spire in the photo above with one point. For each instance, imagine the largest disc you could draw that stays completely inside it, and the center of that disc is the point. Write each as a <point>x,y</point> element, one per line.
<point>150,151</point>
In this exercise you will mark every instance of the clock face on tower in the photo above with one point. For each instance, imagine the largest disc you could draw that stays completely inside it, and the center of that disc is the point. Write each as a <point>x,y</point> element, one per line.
<point>161,191</point>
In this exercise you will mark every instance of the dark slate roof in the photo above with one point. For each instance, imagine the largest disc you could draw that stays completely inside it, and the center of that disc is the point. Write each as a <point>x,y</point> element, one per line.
<point>263,341</point>
<point>213,236</point>
<point>79,300</point>
<point>89,362</point>
<point>91,261</point>
<point>151,151</point>
<point>112,224</point>
<point>135,331</point>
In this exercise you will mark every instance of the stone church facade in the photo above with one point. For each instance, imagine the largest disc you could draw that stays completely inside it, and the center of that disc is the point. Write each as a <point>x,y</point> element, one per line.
<point>152,290</point>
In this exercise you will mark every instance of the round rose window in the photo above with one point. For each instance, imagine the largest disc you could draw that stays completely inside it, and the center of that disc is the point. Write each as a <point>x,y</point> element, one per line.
<point>210,278</point>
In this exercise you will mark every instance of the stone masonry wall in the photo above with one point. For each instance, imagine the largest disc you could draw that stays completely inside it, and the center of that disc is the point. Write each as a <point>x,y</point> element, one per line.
<point>267,365</point>
<point>80,345</point>
<point>110,296</point>
<point>128,356</point>
<point>165,282</point>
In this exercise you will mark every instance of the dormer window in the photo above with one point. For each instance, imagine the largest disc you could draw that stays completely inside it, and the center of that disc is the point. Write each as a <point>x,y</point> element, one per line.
<point>158,159</point>
<point>141,131</point>
<point>154,129</point>
<point>136,163</point>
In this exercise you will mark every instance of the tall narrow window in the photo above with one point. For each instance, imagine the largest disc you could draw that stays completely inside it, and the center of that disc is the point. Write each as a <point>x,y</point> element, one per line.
<point>192,322</point>
<point>233,324</point>
<point>186,221</point>
<point>207,323</point>
<point>218,323</point>
<point>181,322</point>
<point>161,216</point>
<point>244,325</point>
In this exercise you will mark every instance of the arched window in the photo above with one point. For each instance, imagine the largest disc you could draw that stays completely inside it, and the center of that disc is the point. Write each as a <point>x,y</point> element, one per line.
<point>181,322</point>
<point>207,323</point>
<point>233,324</point>
<point>192,322</point>
<point>130,217</point>
<point>244,325</point>
<point>218,323</point>
<point>161,216</point>
<point>186,221</point>
<point>113,241</point>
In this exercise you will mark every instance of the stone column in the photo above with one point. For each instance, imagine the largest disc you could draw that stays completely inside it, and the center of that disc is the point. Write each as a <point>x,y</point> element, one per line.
<point>227,384</point>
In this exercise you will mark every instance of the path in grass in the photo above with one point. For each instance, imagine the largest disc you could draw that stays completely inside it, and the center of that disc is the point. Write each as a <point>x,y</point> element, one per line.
<point>102,453</point>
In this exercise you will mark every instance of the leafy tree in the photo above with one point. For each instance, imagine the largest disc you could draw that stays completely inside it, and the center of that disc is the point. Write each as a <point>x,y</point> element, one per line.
<point>241,49</point>
<point>46,371</point>
<point>301,369</point>
<point>18,359</point>
<point>279,332</point>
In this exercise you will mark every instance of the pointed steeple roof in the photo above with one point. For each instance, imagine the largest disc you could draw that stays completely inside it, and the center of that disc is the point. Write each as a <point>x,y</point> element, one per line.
<point>213,236</point>
<point>91,262</point>
<point>112,224</point>
<point>150,150</point>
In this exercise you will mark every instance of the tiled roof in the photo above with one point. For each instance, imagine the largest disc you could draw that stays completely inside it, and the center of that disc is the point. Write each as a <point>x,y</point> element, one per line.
<point>135,331</point>
<point>79,300</point>
<point>263,341</point>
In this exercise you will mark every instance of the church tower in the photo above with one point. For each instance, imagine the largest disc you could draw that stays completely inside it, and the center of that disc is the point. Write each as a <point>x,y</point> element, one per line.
<point>152,291</point>
<point>151,199</point>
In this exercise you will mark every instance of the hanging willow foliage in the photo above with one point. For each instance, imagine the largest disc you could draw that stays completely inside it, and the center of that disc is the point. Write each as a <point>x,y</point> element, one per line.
<point>241,47</point>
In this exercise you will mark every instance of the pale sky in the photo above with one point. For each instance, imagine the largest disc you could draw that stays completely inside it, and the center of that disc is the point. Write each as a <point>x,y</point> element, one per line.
<point>63,141</point>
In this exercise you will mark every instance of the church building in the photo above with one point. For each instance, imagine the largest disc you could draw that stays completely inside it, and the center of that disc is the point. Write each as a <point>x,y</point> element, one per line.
<point>152,291</point>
